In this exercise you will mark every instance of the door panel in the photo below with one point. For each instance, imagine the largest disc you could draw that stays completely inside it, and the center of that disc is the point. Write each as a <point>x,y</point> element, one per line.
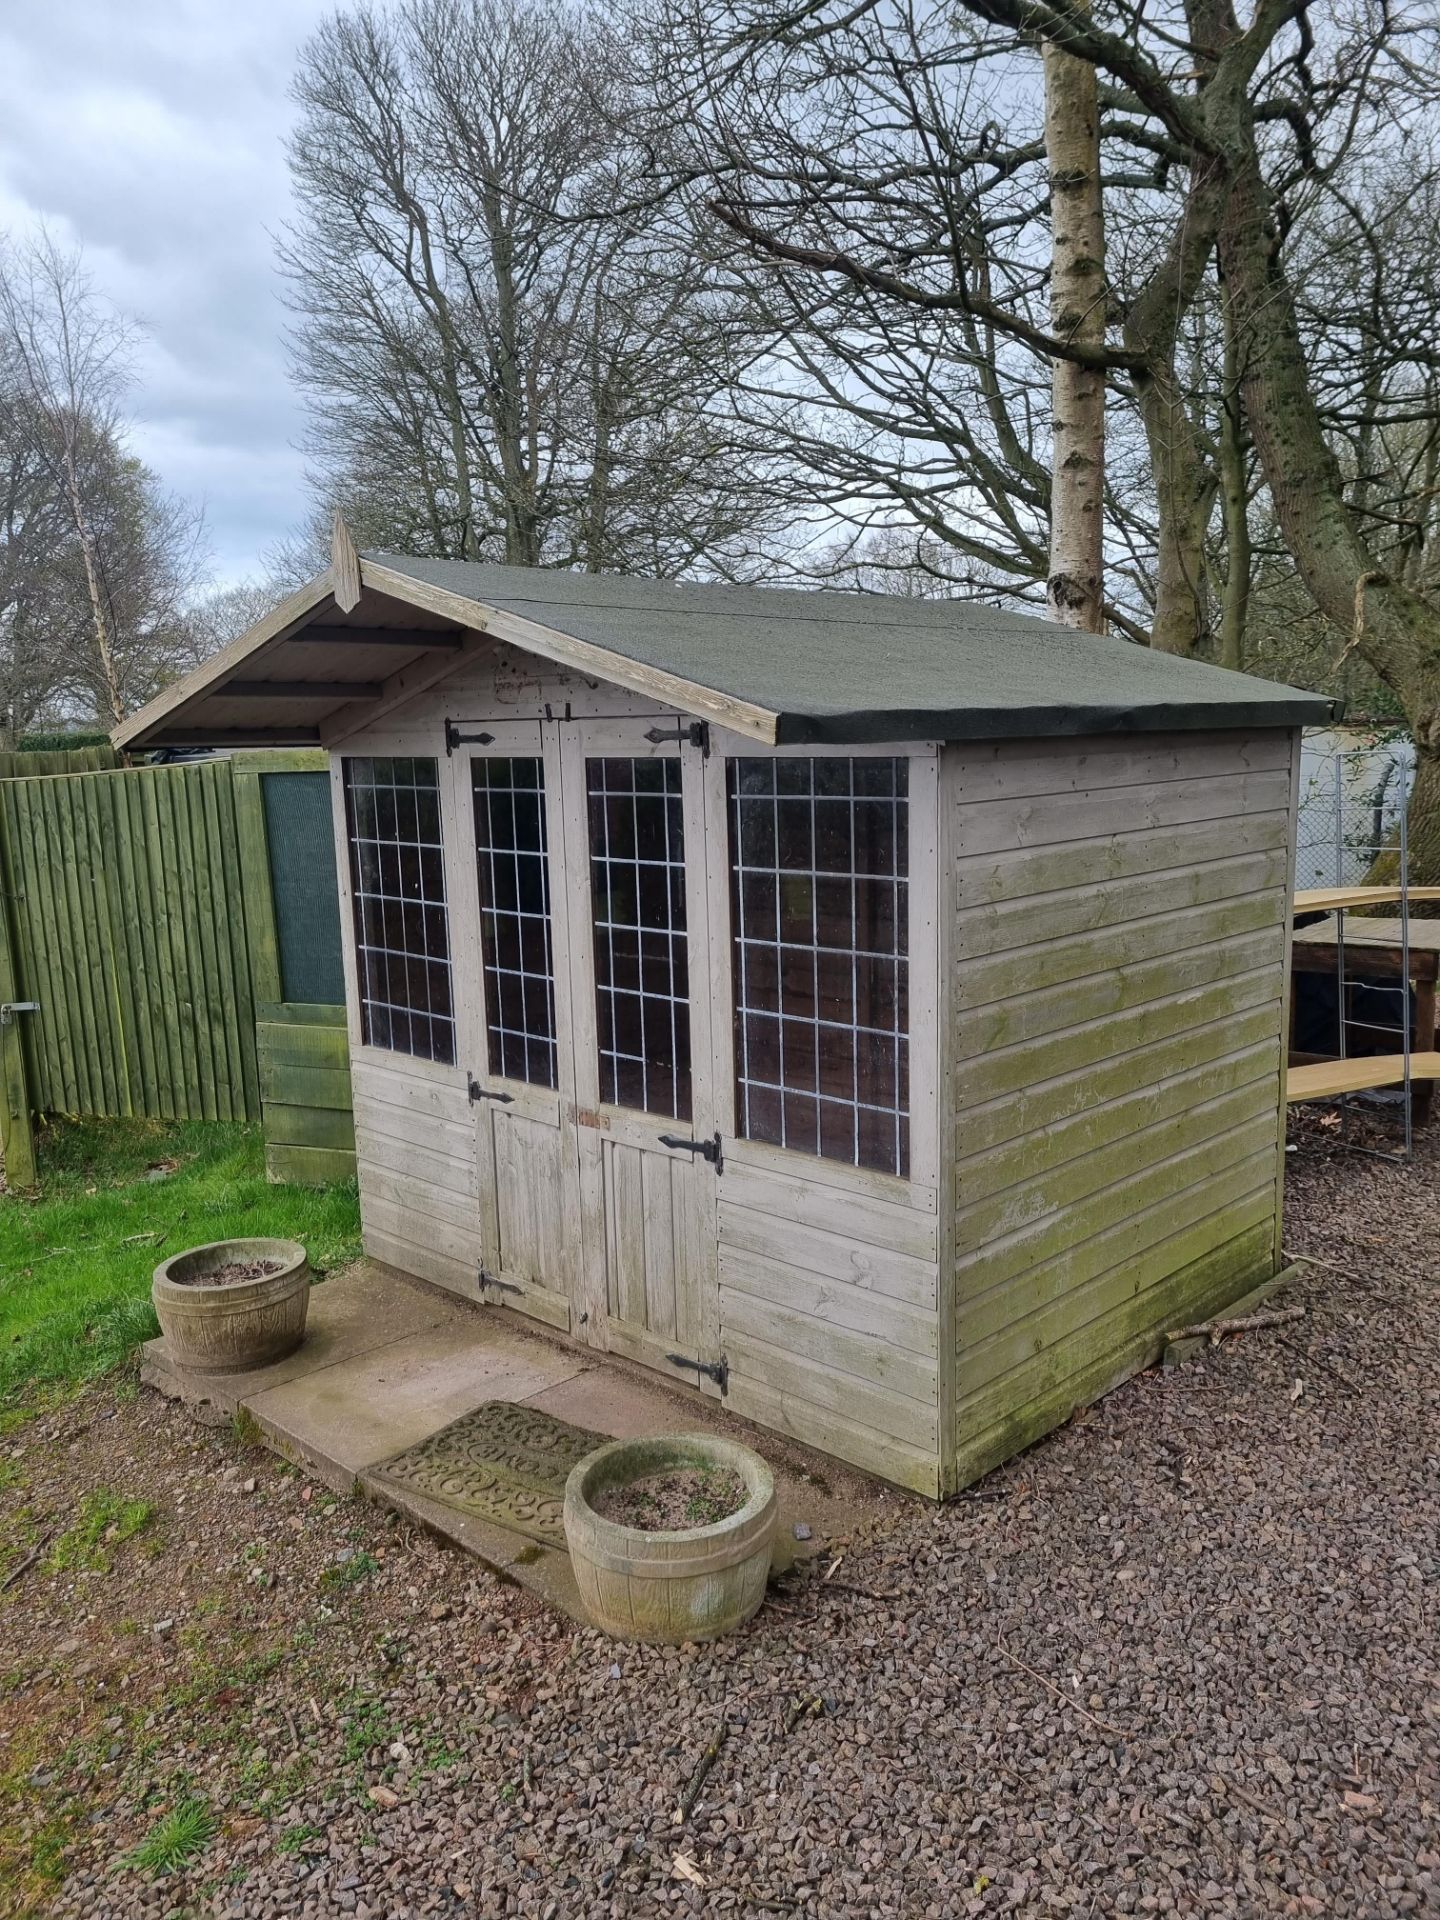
<point>645,1203</point>
<point>635,853</point>
<point>507,796</point>
<point>530,1165</point>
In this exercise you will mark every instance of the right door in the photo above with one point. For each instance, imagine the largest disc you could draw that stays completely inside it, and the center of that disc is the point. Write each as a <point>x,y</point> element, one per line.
<point>507,782</point>
<point>635,854</point>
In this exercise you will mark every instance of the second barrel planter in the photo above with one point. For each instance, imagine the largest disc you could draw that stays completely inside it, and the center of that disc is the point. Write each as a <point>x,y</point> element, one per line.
<point>686,1583</point>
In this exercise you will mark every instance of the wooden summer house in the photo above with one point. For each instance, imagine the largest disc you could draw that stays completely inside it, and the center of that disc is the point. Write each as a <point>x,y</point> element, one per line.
<point>868,1011</point>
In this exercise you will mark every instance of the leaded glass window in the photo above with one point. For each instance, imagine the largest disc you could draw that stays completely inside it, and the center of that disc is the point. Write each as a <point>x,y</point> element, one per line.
<point>397,879</point>
<point>819,881</point>
<point>511,851</point>
<point>642,974</point>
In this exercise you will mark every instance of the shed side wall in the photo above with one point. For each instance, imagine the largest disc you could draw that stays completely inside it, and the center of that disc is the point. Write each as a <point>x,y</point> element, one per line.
<point>1118,926</point>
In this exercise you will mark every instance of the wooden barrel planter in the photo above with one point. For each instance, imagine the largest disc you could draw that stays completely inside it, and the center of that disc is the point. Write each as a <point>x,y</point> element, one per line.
<point>687,1583</point>
<point>216,1318</point>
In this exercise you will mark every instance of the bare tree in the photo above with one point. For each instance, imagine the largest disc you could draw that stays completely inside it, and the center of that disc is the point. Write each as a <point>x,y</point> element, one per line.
<point>97,558</point>
<point>878,182</point>
<point>886,157</point>
<point>497,364</point>
<point>70,360</point>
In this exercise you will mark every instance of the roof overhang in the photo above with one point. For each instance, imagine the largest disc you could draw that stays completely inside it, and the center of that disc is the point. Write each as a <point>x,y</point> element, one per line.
<point>360,638</point>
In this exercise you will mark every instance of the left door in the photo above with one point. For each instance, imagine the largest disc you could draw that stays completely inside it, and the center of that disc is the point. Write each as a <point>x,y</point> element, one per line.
<point>506,795</point>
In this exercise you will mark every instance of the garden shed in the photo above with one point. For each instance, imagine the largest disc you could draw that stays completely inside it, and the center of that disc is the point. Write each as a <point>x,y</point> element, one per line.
<point>868,1011</point>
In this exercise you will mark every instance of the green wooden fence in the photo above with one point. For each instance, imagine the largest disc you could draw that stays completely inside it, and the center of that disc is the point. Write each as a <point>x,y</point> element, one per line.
<point>30,762</point>
<point>129,926</point>
<point>141,924</point>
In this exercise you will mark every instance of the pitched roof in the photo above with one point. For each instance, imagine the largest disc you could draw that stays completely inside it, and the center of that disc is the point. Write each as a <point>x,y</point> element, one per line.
<point>783,665</point>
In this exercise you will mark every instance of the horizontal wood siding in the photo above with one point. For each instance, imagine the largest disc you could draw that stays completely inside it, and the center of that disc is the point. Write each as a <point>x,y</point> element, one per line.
<point>419,1184</point>
<point>310,1140</point>
<point>828,1318</point>
<point>1115,1016</point>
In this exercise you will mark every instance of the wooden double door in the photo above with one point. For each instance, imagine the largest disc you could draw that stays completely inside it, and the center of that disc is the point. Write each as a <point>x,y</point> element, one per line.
<point>594,1090</point>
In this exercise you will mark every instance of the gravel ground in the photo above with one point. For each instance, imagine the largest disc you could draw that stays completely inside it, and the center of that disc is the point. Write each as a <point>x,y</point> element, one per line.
<point>1180,1658</point>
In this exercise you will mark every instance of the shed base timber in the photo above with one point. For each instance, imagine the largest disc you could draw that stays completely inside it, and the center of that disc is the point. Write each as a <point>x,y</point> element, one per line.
<point>1119,1345</point>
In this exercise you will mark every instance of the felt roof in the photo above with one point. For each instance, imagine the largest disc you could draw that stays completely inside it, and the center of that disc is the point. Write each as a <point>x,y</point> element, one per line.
<point>785,665</point>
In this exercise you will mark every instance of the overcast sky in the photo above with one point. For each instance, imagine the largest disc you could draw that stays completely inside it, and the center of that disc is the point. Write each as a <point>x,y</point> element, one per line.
<point>150,132</point>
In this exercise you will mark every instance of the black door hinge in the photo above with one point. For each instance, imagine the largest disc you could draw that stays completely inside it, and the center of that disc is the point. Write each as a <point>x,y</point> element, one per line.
<point>477,1092</point>
<point>716,1370</point>
<point>455,738</point>
<point>488,1280</point>
<point>707,1149</point>
<point>697,732</point>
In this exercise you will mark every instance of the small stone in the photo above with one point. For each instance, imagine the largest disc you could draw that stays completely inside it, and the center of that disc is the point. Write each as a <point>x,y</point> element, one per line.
<point>384,1797</point>
<point>801,1531</point>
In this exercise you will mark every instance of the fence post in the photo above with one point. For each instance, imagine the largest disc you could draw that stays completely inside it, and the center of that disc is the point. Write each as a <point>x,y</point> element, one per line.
<point>16,1123</point>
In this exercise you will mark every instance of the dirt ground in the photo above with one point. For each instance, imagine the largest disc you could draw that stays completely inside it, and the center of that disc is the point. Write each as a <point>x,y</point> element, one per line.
<point>1181,1658</point>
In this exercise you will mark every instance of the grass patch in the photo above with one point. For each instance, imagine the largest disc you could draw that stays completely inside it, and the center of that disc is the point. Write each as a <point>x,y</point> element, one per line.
<point>297,1839</point>
<point>182,1834</point>
<point>106,1520</point>
<point>366,1723</point>
<point>350,1572</point>
<point>117,1196</point>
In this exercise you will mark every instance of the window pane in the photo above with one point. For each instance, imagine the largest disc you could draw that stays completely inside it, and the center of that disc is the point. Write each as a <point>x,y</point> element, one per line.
<point>637,880</point>
<point>819,900</point>
<point>512,859</point>
<point>402,933</point>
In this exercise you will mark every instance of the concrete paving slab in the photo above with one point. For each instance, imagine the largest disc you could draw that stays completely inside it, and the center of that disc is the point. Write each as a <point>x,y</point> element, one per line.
<point>356,1312</point>
<point>350,1415</point>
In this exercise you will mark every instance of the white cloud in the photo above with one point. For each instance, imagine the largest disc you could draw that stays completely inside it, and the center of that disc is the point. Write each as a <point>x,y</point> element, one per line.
<point>150,132</point>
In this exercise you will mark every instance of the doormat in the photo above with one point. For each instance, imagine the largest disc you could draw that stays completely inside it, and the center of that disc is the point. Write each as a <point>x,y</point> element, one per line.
<point>502,1462</point>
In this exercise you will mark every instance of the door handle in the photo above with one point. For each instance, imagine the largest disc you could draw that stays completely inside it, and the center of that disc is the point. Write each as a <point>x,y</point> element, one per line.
<point>707,1149</point>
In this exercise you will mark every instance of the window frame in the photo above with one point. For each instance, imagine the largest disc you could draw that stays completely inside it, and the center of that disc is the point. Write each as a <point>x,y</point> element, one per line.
<point>679,1114</point>
<point>508,750</point>
<point>918,1186</point>
<point>393,748</point>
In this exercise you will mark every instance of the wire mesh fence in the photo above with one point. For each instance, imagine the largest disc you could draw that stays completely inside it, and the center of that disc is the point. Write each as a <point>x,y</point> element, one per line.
<point>1352,832</point>
<point>1351,802</point>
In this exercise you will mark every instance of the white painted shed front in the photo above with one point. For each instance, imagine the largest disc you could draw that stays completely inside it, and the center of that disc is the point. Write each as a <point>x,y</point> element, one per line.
<point>898,1090</point>
<point>591,1144</point>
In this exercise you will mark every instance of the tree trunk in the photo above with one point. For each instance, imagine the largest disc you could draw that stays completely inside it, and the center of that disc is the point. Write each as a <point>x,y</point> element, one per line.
<point>1184,492</point>
<point>522,534</point>
<point>1184,484</point>
<point>99,618</point>
<point>1235,503</point>
<point>1392,628</point>
<point>1075,589</point>
<point>1422,834</point>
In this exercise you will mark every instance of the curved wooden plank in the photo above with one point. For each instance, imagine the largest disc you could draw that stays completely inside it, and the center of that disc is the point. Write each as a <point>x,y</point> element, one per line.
<point>1328,1078</point>
<point>1331,899</point>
